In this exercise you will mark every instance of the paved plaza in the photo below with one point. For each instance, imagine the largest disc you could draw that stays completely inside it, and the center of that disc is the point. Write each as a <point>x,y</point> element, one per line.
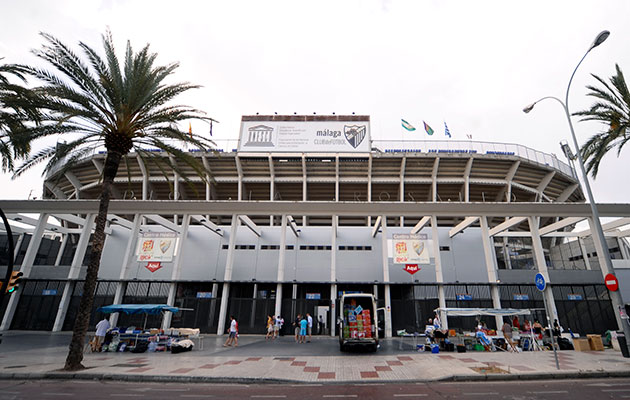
<point>29,355</point>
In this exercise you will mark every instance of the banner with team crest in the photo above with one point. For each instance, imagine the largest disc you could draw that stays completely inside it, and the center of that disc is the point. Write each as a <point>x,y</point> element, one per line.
<point>410,249</point>
<point>157,246</point>
<point>305,136</point>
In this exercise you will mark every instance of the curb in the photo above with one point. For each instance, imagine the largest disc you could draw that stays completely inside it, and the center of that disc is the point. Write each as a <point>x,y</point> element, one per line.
<point>241,380</point>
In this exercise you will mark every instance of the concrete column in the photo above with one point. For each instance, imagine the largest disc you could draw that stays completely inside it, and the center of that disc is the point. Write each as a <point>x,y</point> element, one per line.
<point>73,274</point>
<point>587,262</point>
<point>375,291</point>
<point>281,258</point>
<point>541,264</point>
<point>622,248</point>
<point>62,248</point>
<point>491,267</point>
<point>615,296</point>
<point>121,287</point>
<point>439,277</point>
<point>177,267</point>
<point>229,263</point>
<point>385,260</point>
<point>333,309</point>
<point>18,244</point>
<point>333,274</point>
<point>25,268</point>
<point>252,317</point>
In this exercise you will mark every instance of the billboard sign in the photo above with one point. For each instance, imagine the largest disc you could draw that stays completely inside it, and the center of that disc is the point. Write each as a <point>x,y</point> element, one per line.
<point>410,249</point>
<point>305,136</point>
<point>157,246</point>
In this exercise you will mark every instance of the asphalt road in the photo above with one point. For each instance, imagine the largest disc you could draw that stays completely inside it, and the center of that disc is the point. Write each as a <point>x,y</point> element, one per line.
<point>521,390</point>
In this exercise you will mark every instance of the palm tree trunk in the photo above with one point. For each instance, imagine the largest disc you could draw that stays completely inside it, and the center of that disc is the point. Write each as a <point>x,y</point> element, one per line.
<point>75,353</point>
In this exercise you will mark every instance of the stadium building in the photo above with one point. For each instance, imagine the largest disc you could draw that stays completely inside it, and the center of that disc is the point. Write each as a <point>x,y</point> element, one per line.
<point>305,208</point>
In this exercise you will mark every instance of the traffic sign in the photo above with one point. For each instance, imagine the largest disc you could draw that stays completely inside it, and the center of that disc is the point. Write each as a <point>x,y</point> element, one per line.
<point>611,282</point>
<point>541,284</point>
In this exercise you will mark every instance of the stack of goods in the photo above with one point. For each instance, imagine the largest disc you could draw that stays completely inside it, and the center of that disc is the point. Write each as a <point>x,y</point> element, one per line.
<point>358,325</point>
<point>367,323</point>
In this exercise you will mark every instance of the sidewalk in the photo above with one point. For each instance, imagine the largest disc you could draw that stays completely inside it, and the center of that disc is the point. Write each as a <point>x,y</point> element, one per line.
<point>28,355</point>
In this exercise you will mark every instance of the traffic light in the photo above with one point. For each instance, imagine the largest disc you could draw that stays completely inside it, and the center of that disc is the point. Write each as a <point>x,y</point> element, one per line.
<point>14,282</point>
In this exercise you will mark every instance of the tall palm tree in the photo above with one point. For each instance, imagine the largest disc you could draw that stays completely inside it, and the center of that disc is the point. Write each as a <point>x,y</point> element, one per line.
<point>96,102</point>
<point>15,110</point>
<point>612,108</point>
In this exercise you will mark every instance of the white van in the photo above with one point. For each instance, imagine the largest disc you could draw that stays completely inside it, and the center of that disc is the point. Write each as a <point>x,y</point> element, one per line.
<point>358,323</point>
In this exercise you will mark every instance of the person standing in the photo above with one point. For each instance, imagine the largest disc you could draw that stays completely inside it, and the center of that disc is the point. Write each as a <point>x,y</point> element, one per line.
<point>320,325</point>
<point>232,331</point>
<point>309,321</point>
<point>101,330</point>
<point>507,334</point>
<point>296,325</point>
<point>277,324</point>
<point>303,327</point>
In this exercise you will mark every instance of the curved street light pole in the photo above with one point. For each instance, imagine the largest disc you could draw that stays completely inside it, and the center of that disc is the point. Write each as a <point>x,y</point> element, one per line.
<point>606,266</point>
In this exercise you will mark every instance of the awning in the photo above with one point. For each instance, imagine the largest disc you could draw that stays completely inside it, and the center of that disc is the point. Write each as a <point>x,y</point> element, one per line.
<point>152,309</point>
<point>473,312</point>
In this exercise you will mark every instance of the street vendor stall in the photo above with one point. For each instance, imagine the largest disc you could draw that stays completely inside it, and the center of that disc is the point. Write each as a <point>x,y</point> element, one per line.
<point>478,312</point>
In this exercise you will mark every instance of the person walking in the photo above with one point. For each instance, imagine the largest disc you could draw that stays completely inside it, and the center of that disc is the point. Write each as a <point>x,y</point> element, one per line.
<point>270,325</point>
<point>507,334</point>
<point>309,321</point>
<point>303,328</point>
<point>232,333</point>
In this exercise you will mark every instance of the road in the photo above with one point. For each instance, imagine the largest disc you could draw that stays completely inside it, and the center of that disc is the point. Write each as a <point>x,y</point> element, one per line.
<point>521,390</point>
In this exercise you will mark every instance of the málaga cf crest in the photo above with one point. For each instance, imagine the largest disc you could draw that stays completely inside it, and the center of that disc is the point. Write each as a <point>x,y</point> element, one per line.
<point>354,134</point>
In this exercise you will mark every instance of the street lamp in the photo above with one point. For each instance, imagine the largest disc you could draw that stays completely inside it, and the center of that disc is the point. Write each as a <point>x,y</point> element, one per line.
<point>607,267</point>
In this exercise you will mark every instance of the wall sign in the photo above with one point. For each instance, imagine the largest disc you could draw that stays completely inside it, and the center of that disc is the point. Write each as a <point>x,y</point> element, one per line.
<point>157,246</point>
<point>49,292</point>
<point>410,249</point>
<point>305,136</point>
<point>412,268</point>
<point>574,297</point>
<point>204,295</point>
<point>520,296</point>
<point>313,296</point>
<point>153,266</point>
<point>463,296</point>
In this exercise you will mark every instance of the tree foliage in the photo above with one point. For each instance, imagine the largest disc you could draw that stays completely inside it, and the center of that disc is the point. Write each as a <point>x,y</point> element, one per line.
<point>611,108</point>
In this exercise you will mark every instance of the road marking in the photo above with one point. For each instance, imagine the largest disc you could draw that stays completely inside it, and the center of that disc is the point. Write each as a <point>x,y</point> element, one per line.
<point>368,384</point>
<point>615,390</point>
<point>268,396</point>
<point>59,394</point>
<point>339,395</point>
<point>550,392</point>
<point>196,396</point>
<point>481,394</point>
<point>125,395</point>
<point>306,385</point>
<point>410,395</point>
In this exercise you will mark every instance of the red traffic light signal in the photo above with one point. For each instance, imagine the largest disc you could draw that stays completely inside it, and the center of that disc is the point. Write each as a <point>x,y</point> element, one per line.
<point>14,282</point>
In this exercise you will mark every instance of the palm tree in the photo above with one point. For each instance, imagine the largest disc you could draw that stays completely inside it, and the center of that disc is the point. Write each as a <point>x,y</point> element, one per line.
<point>612,108</point>
<point>15,110</point>
<point>95,102</point>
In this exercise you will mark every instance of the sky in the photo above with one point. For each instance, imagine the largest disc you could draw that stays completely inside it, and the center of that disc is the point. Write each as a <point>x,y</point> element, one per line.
<point>471,64</point>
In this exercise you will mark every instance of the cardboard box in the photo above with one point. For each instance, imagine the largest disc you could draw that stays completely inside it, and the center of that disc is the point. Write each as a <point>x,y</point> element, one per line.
<point>581,345</point>
<point>595,341</point>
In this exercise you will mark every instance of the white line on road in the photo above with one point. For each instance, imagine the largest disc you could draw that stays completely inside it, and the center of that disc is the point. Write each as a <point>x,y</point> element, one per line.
<point>59,394</point>
<point>195,396</point>
<point>481,394</point>
<point>615,390</point>
<point>338,395</point>
<point>126,395</point>
<point>306,385</point>
<point>550,392</point>
<point>410,395</point>
<point>268,396</point>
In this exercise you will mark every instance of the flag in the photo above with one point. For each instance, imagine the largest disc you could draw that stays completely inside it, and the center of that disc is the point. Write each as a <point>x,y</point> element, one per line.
<point>407,125</point>
<point>446,131</point>
<point>428,128</point>
<point>190,129</point>
<point>469,137</point>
